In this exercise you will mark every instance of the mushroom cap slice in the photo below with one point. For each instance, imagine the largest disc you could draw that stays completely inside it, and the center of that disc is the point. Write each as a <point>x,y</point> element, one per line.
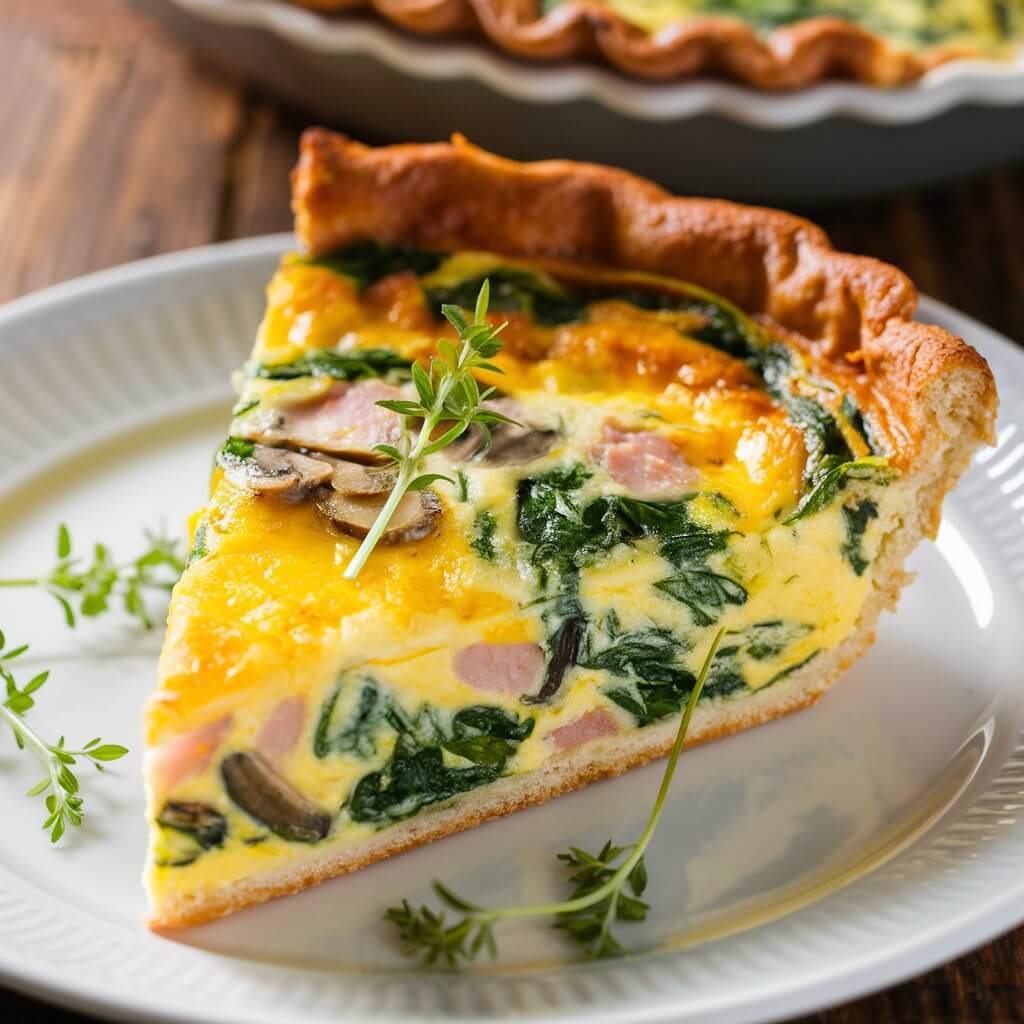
<point>414,518</point>
<point>512,444</point>
<point>278,471</point>
<point>261,791</point>
<point>358,480</point>
<point>201,821</point>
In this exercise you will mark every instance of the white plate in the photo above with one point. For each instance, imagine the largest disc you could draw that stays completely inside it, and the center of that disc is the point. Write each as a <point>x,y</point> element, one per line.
<point>800,864</point>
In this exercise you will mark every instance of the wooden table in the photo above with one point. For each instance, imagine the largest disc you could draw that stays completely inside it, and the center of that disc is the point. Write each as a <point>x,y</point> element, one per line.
<point>115,147</point>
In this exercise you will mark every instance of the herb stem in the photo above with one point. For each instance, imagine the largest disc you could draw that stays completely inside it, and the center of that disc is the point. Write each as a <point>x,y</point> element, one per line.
<point>448,394</point>
<point>34,742</point>
<point>26,582</point>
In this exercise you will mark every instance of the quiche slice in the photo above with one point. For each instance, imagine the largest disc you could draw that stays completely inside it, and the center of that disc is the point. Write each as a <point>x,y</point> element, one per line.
<point>719,422</point>
<point>770,44</point>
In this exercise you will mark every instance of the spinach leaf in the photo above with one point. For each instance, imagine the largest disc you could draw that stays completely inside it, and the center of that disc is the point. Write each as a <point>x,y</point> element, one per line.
<point>704,592</point>
<point>355,364</point>
<point>856,519</point>
<point>198,549</point>
<point>649,659</point>
<point>851,411</point>
<point>835,478</point>
<point>486,720</point>
<point>235,449</point>
<point>763,640</point>
<point>485,526</point>
<point>824,441</point>
<point>513,289</point>
<point>367,262</point>
<point>415,775</point>
<point>358,735</point>
<point>413,778</point>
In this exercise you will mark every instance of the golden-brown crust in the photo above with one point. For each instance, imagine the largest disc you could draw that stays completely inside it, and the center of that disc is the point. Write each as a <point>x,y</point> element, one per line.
<point>790,57</point>
<point>772,264</point>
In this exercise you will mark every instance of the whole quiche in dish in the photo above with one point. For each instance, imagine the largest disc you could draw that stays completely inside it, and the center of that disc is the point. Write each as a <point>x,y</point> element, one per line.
<point>771,44</point>
<point>705,418</point>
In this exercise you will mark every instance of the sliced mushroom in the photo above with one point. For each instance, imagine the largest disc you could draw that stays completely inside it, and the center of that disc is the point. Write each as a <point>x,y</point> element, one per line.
<point>415,517</point>
<point>278,471</point>
<point>206,825</point>
<point>256,786</point>
<point>512,444</point>
<point>361,481</point>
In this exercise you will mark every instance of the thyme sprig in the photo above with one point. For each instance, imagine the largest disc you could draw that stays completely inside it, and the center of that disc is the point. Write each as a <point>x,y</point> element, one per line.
<point>450,399</point>
<point>599,899</point>
<point>60,785</point>
<point>93,585</point>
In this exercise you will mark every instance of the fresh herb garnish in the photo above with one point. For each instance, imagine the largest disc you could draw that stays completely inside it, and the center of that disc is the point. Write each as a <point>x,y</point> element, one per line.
<point>94,585</point>
<point>60,785</point>
<point>448,395</point>
<point>599,899</point>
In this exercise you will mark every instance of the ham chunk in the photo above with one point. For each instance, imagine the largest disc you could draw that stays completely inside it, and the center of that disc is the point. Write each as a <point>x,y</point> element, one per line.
<point>281,728</point>
<point>645,462</point>
<point>347,420</point>
<point>512,669</point>
<point>587,727</point>
<point>187,755</point>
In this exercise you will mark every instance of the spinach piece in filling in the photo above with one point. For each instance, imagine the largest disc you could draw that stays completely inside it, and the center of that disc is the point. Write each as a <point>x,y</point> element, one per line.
<point>513,290</point>
<point>856,519</point>
<point>567,535</point>
<point>355,364</point>
<point>485,528</point>
<point>415,774</point>
<point>368,262</point>
<point>656,686</point>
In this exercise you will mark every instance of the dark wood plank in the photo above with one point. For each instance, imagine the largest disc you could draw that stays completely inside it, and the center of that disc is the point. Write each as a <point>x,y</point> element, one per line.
<point>257,200</point>
<point>114,144</point>
<point>962,244</point>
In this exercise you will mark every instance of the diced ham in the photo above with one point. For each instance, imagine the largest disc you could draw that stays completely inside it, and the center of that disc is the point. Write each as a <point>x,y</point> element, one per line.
<point>347,418</point>
<point>281,728</point>
<point>645,462</point>
<point>513,669</point>
<point>187,755</point>
<point>587,727</point>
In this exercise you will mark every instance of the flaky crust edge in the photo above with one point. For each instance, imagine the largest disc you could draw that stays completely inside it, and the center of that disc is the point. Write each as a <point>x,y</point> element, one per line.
<point>787,58</point>
<point>941,389</point>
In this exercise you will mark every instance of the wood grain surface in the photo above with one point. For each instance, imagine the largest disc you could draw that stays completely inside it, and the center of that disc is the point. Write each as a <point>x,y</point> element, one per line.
<point>115,146</point>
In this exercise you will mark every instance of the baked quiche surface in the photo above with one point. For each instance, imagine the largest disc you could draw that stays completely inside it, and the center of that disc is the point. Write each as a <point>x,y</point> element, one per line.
<point>676,465</point>
<point>768,43</point>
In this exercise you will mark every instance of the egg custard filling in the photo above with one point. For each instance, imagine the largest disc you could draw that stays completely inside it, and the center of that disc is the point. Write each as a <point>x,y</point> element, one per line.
<point>986,27</point>
<point>674,467</point>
